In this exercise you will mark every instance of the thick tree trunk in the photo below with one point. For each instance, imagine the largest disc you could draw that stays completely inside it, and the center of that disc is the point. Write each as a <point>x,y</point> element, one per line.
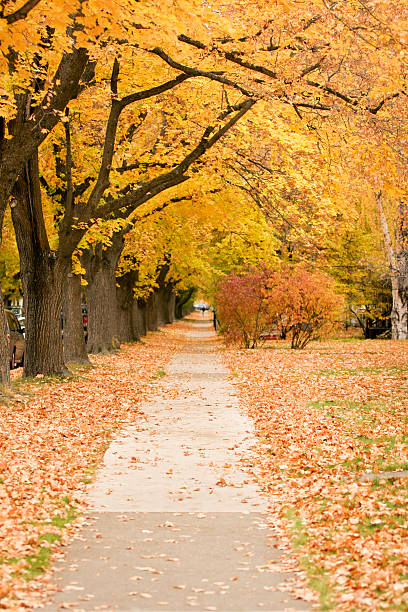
<point>102,313</point>
<point>399,313</point>
<point>42,276</point>
<point>398,264</point>
<point>152,312</point>
<point>126,331</point>
<point>128,328</point>
<point>43,347</point>
<point>100,265</point>
<point>182,299</point>
<point>140,317</point>
<point>73,333</point>
<point>162,307</point>
<point>160,311</point>
<point>4,350</point>
<point>15,152</point>
<point>171,307</point>
<point>166,302</point>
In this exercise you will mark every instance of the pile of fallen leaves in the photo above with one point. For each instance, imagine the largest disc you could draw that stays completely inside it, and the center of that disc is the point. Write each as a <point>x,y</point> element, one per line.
<point>333,421</point>
<point>53,434</point>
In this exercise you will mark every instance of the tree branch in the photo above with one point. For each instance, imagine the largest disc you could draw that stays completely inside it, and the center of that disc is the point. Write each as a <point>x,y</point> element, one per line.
<point>138,196</point>
<point>16,151</point>
<point>117,106</point>
<point>312,68</point>
<point>162,207</point>
<point>232,56</point>
<point>154,91</point>
<point>22,12</point>
<point>214,76</point>
<point>311,21</point>
<point>69,200</point>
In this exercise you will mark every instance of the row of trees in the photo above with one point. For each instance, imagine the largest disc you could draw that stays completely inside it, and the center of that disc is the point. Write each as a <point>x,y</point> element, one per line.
<point>83,198</point>
<point>104,110</point>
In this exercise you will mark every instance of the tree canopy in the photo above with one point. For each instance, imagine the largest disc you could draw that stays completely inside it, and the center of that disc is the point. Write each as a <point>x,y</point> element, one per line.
<point>183,141</point>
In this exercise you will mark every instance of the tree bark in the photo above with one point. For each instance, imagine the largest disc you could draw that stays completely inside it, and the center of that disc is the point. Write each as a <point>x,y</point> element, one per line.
<point>100,265</point>
<point>73,333</point>
<point>162,306</point>
<point>140,316</point>
<point>398,265</point>
<point>171,307</point>
<point>161,297</point>
<point>152,312</point>
<point>128,328</point>
<point>15,155</point>
<point>166,302</point>
<point>181,299</point>
<point>42,276</point>
<point>4,349</point>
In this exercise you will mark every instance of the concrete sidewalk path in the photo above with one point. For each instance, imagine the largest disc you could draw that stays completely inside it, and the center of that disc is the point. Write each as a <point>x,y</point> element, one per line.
<point>176,523</point>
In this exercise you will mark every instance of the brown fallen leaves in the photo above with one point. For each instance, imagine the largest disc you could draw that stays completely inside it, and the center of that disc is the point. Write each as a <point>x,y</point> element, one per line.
<point>50,442</point>
<point>324,416</point>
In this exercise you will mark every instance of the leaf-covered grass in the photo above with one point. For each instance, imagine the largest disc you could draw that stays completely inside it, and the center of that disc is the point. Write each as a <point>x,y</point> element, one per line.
<point>397,371</point>
<point>28,567</point>
<point>160,372</point>
<point>329,415</point>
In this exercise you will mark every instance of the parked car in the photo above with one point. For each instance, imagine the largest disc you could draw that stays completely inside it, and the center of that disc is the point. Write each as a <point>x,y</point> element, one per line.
<point>15,339</point>
<point>19,312</point>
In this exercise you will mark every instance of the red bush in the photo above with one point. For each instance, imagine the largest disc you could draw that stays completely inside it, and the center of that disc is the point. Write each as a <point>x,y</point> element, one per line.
<point>241,306</point>
<point>303,302</point>
<point>294,300</point>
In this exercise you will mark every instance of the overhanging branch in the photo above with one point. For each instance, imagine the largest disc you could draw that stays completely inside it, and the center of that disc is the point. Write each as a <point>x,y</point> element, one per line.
<point>21,13</point>
<point>141,194</point>
<point>214,76</point>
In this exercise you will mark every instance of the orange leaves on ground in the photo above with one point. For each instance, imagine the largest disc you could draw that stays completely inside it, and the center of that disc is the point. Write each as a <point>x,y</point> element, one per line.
<point>325,416</point>
<point>51,438</point>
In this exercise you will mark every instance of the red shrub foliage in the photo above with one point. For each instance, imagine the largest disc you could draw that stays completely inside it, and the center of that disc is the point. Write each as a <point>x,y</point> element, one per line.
<point>303,302</point>
<point>293,300</point>
<point>241,307</point>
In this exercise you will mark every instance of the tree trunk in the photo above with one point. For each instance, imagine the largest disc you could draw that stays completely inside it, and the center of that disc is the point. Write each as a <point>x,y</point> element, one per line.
<point>152,312</point>
<point>4,349</point>
<point>182,299</point>
<point>43,342</point>
<point>399,312</point>
<point>73,333</point>
<point>100,265</point>
<point>398,269</point>
<point>171,307</point>
<point>42,276</point>
<point>140,317</point>
<point>128,328</point>
<point>166,301</point>
<point>162,296</point>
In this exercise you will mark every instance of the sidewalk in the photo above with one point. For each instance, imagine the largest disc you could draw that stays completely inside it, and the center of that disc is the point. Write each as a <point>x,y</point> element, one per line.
<point>175,522</point>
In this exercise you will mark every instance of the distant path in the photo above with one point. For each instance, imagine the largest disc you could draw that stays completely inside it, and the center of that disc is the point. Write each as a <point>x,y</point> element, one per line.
<point>176,523</point>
